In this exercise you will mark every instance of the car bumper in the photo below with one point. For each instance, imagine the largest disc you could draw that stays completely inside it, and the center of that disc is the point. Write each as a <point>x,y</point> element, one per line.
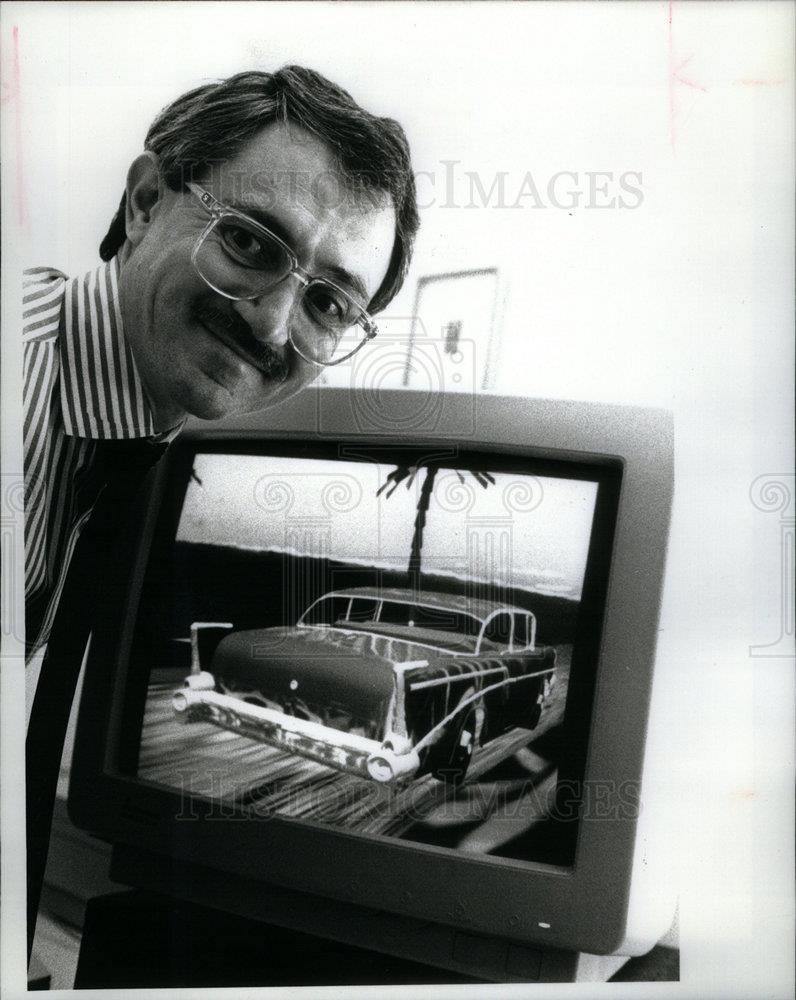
<point>343,751</point>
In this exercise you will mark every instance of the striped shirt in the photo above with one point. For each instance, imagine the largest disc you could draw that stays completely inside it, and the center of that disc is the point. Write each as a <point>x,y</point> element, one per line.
<point>80,386</point>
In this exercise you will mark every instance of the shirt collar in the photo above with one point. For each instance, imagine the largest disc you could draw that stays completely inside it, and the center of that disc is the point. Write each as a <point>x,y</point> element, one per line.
<point>102,395</point>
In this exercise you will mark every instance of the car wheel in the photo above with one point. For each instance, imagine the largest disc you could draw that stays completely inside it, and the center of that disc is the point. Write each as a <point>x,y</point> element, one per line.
<point>454,770</point>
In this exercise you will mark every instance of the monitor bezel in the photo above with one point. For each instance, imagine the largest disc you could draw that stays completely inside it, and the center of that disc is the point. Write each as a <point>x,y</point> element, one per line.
<point>582,908</point>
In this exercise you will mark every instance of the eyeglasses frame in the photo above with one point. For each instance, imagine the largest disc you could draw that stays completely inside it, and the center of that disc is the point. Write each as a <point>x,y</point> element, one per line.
<point>219,210</point>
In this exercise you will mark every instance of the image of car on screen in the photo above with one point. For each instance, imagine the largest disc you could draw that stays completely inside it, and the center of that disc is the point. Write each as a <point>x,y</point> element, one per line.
<point>386,684</point>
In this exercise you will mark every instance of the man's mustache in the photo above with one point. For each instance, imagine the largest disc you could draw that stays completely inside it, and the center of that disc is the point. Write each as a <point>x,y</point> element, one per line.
<point>238,330</point>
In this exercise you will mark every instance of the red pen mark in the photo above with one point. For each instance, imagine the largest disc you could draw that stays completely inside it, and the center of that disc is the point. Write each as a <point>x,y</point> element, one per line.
<point>671,80</point>
<point>759,83</point>
<point>11,93</point>
<point>676,77</point>
<point>681,79</point>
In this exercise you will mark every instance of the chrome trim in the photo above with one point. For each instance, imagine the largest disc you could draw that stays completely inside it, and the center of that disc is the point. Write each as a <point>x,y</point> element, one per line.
<point>346,752</point>
<point>429,737</point>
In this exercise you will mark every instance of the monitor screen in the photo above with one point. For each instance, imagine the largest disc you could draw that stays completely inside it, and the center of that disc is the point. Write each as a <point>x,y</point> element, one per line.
<point>389,658</point>
<point>395,642</point>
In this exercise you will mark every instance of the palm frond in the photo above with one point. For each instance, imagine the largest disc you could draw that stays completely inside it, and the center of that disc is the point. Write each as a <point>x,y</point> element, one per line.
<point>396,477</point>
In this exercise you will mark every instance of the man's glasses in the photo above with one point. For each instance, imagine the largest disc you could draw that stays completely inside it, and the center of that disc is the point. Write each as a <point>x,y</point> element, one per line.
<point>240,259</point>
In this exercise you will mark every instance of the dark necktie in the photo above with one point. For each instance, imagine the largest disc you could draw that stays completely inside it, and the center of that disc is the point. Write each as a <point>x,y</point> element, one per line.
<point>119,470</point>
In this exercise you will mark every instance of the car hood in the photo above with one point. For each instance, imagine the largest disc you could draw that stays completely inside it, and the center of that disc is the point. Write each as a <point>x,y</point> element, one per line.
<point>320,666</point>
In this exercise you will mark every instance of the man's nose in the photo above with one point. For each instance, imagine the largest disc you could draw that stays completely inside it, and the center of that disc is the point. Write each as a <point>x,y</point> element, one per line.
<point>269,315</point>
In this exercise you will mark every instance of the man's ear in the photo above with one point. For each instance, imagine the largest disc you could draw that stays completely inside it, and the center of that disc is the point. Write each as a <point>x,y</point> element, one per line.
<point>144,191</point>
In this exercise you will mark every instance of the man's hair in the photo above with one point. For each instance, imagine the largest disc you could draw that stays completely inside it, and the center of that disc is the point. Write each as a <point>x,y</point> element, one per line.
<point>210,124</point>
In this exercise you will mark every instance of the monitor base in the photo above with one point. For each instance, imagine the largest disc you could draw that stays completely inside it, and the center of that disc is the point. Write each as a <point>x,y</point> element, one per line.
<point>212,929</point>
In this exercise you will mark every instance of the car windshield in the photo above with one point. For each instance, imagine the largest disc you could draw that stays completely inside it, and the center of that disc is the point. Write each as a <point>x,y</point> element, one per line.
<point>421,616</point>
<point>343,611</point>
<point>332,610</point>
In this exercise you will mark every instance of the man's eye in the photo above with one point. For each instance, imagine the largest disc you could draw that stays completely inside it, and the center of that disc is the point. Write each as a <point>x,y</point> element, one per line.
<point>242,241</point>
<point>249,248</point>
<point>326,304</point>
<point>329,308</point>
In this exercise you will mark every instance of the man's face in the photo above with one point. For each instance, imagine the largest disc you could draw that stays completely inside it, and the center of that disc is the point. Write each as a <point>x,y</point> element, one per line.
<point>202,354</point>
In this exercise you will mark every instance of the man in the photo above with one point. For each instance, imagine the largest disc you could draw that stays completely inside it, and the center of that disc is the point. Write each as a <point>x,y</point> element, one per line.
<point>267,220</point>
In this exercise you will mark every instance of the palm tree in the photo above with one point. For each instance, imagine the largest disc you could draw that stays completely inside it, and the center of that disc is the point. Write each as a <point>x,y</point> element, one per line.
<point>408,473</point>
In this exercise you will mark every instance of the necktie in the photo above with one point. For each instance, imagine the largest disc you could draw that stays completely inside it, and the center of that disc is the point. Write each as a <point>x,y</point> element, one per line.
<point>119,471</point>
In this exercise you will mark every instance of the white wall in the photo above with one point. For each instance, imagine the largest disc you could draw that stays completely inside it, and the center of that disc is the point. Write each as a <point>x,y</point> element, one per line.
<point>685,301</point>
<point>632,304</point>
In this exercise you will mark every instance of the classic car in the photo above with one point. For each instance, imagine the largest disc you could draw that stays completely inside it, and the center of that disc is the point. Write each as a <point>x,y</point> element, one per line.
<point>386,684</point>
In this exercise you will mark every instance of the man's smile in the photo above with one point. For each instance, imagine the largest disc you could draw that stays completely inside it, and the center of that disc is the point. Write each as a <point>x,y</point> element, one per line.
<point>236,334</point>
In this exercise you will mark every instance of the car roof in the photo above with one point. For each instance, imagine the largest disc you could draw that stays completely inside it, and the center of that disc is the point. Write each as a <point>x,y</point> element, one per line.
<point>430,598</point>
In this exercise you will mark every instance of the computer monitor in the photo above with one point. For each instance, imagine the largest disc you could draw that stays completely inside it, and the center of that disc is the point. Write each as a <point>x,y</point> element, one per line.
<point>392,653</point>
